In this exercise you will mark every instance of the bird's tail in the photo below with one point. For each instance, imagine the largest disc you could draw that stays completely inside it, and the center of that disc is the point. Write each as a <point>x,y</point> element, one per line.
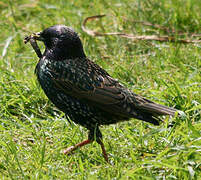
<point>157,109</point>
<point>149,111</point>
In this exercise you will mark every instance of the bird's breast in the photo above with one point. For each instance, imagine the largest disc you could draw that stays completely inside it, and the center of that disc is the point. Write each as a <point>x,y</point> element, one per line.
<point>44,76</point>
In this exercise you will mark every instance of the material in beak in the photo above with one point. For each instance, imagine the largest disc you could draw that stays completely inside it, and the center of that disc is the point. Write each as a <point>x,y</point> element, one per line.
<point>34,36</point>
<point>37,36</point>
<point>32,39</point>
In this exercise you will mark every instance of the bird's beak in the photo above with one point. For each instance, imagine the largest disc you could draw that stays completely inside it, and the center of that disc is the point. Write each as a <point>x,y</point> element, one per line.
<point>34,36</point>
<point>37,36</point>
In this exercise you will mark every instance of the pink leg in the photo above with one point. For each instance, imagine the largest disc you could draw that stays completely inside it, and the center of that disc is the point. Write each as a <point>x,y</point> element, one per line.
<point>103,150</point>
<point>72,148</point>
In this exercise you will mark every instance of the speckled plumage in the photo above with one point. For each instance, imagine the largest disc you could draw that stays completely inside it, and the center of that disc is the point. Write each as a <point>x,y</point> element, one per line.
<point>83,90</point>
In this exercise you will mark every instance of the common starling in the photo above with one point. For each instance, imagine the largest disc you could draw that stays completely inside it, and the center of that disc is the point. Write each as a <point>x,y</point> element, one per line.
<point>83,90</point>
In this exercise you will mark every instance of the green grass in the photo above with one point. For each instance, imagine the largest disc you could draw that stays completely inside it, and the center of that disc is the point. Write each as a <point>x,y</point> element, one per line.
<point>33,132</point>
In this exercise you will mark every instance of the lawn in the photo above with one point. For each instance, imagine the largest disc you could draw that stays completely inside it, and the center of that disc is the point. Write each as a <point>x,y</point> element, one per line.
<point>33,132</point>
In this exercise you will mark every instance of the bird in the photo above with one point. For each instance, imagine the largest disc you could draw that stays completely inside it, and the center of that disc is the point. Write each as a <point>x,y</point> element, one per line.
<point>84,91</point>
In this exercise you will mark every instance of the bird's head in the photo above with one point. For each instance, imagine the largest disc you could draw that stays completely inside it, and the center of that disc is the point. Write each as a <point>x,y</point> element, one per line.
<point>61,41</point>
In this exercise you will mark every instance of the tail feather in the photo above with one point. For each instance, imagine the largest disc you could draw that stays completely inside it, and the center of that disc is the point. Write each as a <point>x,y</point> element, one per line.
<point>149,111</point>
<point>149,118</point>
<point>157,109</point>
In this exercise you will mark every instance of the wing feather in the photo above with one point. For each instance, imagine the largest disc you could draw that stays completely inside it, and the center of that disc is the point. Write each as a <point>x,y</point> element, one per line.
<point>90,83</point>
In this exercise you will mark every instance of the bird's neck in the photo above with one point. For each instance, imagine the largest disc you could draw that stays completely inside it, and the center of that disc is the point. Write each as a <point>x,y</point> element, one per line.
<point>60,54</point>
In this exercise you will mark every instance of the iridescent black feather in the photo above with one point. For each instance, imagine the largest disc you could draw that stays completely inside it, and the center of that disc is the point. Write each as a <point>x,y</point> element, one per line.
<point>85,91</point>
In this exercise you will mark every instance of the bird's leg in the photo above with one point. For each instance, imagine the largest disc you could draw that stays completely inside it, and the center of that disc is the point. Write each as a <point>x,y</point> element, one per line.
<point>72,148</point>
<point>96,134</point>
<point>103,150</point>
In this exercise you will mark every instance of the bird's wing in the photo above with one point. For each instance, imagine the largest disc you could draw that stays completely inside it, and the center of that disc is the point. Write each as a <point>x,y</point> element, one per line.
<point>93,87</point>
<point>88,82</point>
<point>102,94</point>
